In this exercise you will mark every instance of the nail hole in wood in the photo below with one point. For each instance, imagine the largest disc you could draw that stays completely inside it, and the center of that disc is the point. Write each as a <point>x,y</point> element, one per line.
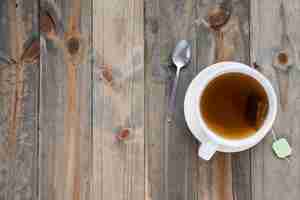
<point>73,45</point>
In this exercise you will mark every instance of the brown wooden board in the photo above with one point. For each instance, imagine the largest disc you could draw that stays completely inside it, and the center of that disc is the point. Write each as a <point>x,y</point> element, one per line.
<point>19,78</point>
<point>118,109</point>
<point>65,147</point>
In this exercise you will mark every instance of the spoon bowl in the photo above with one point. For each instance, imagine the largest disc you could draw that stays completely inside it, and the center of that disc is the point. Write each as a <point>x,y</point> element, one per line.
<point>182,54</point>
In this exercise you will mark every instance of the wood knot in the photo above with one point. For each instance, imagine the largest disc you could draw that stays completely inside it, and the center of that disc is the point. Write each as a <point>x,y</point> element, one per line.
<point>123,134</point>
<point>47,22</point>
<point>32,50</point>
<point>218,16</point>
<point>106,74</point>
<point>283,58</point>
<point>73,45</point>
<point>50,20</point>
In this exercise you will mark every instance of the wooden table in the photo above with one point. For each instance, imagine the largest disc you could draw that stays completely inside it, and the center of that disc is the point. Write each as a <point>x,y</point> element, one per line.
<point>83,117</point>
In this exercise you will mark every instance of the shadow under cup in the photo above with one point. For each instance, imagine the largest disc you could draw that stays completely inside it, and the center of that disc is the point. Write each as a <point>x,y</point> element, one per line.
<point>234,105</point>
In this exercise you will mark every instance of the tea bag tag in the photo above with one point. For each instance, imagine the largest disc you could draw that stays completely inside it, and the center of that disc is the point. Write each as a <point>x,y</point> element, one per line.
<point>281,147</point>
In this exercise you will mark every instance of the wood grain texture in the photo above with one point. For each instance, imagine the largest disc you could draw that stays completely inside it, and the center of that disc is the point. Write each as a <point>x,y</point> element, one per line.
<point>118,165</point>
<point>18,101</point>
<point>92,84</point>
<point>65,101</point>
<point>274,29</point>
<point>173,169</point>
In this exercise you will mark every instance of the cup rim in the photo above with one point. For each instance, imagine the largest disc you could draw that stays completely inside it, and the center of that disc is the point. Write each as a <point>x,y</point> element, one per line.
<point>221,68</point>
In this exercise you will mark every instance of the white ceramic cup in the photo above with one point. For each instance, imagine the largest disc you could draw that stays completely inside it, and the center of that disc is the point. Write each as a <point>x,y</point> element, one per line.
<point>212,142</point>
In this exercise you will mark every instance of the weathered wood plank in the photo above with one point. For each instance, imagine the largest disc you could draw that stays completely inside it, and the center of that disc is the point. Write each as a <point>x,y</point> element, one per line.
<point>65,100</point>
<point>118,166</point>
<point>274,29</point>
<point>173,169</point>
<point>18,100</point>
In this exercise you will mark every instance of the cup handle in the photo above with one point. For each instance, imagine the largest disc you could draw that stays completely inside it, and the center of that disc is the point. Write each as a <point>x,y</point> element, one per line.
<point>207,150</point>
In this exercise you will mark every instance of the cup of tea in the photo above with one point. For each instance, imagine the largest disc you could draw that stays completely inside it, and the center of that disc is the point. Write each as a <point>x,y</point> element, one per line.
<point>229,107</point>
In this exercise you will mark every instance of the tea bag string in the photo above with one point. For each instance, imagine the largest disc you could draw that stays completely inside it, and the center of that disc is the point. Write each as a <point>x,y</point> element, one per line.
<point>273,134</point>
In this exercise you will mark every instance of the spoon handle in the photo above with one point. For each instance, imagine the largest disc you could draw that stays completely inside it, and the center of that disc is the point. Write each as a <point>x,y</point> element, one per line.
<point>171,108</point>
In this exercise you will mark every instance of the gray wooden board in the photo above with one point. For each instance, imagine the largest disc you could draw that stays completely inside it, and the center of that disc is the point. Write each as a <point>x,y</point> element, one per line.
<point>118,165</point>
<point>18,101</point>
<point>274,28</point>
<point>173,169</point>
<point>65,146</point>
